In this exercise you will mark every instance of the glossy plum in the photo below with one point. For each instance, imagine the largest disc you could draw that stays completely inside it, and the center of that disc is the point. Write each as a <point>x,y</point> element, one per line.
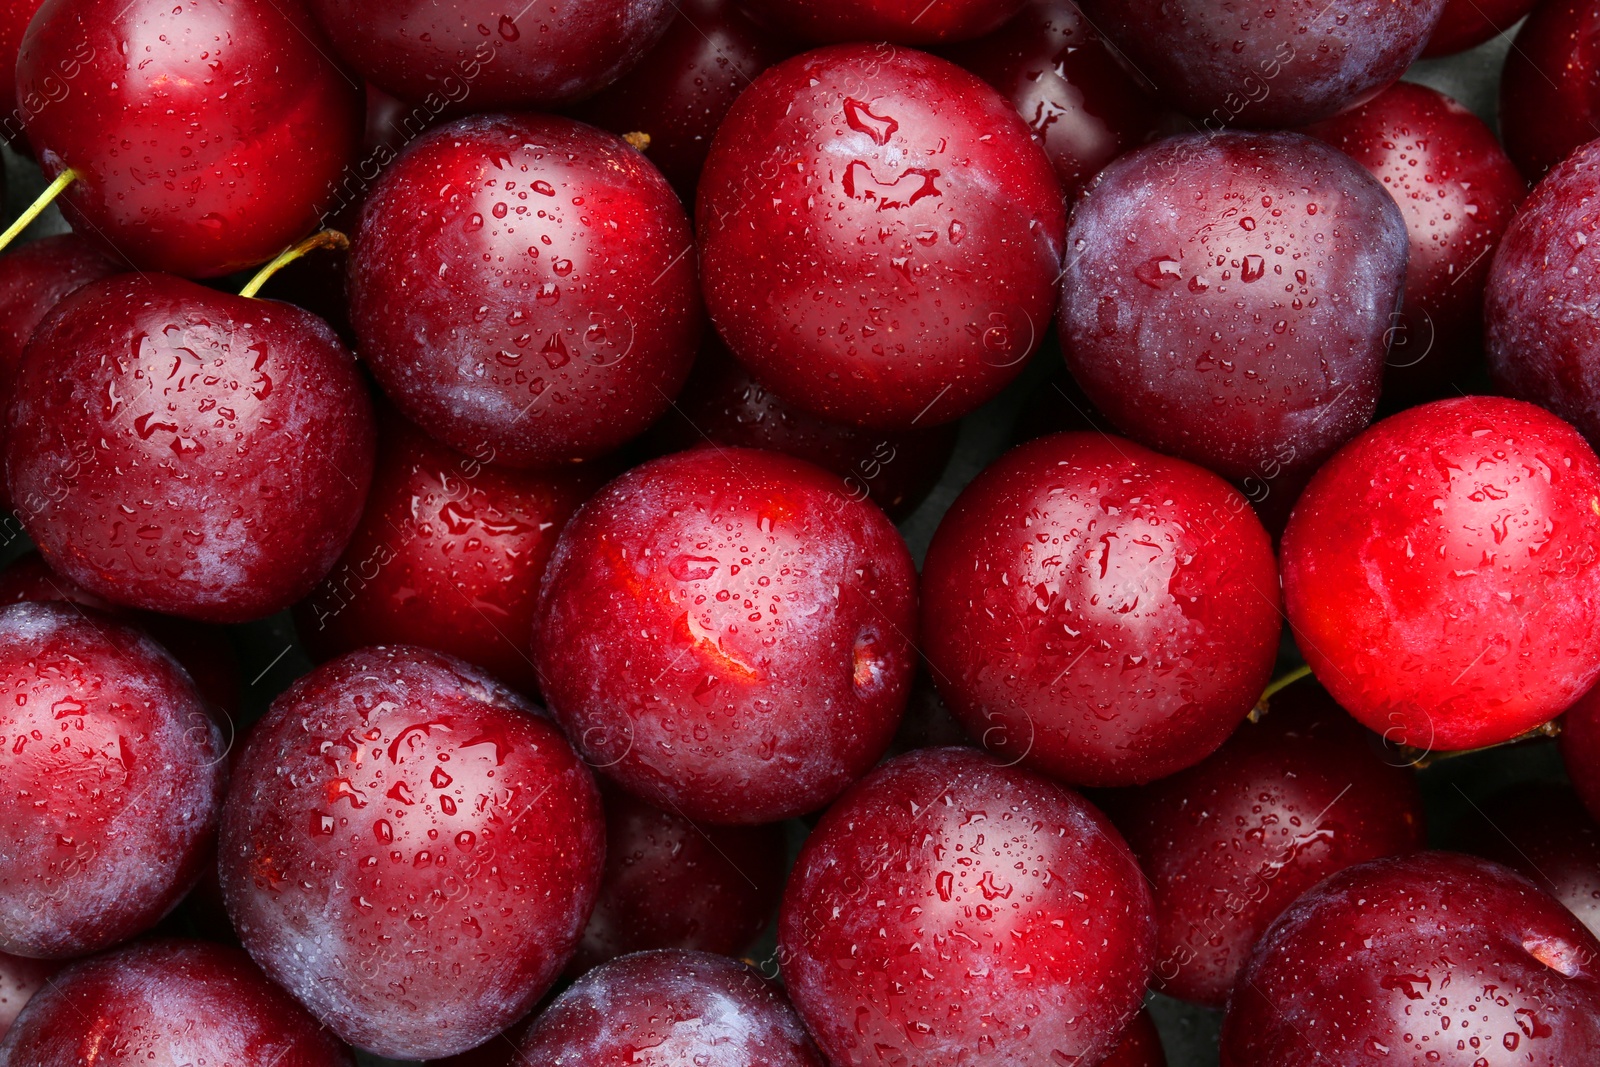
<point>946,881</point>
<point>1436,959</point>
<point>188,451</point>
<point>114,781</point>
<point>168,1002</point>
<point>666,1008</point>
<point>679,93</point>
<point>448,555</point>
<point>1227,298</point>
<point>1549,88</point>
<point>1541,341</point>
<point>1139,1046</point>
<point>913,22</point>
<point>671,883</point>
<point>1467,23</point>
<point>1230,843</point>
<point>1580,749</point>
<point>523,288</point>
<point>1541,831</point>
<point>880,236</point>
<point>723,405</point>
<point>727,634</point>
<point>1064,82</point>
<point>14,18</point>
<point>1442,572</point>
<point>411,850</point>
<point>1458,191</point>
<point>1104,613</point>
<point>482,55</point>
<point>1255,63</point>
<point>20,979</point>
<point>206,136</point>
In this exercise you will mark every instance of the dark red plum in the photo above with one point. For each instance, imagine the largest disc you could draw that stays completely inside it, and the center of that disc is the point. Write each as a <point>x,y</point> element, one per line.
<point>722,405</point>
<point>727,634</point>
<point>1106,614</point>
<point>949,911</point>
<point>20,979</point>
<point>1436,959</point>
<point>1541,831</point>
<point>1442,572</point>
<point>1542,343</point>
<point>168,1002</point>
<point>206,136</point>
<point>1064,82</point>
<point>448,555</point>
<point>1228,299</point>
<point>670,104</point>
<point>880,236</point>
<point>1230,843</point>
<point>1139,1046</point>
<point>670,1007</point>
<point>671,883</point>
<point>428,924</point>
<point>14,18</point>
<point>1458,191</point>
<point>187,451</point>
<point>915,22</point>
<point>523,288</point>
<point>1580,749</point>
<point>1550,89</point>
<point>481,55</point>
<point>114,780</point>
<point>1267,62</point>
<point>1468,23</point>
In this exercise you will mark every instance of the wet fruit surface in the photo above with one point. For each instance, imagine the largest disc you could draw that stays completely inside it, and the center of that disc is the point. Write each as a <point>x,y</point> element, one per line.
<point>901,21</point>
<point>1457,190</point>
<point>1228,299</point>
<point>671,883</point>
<point>1064,82</point>
<point>1244,63</point>
<point>207,136</point>
<point>1466,23</point>
<point>1580,749</point>
<point>1429,959</point>
<point>1541,340</point>
<point>670,1007</point>
<point>188,451</point>
<point>880,236</point>
<point>20,979</point>
<point>944,879</point>
<point>1139,1046</point>
<point>483,56</point>
<point>523,288</point>
<point>1549,94</point>
<point>166,1002</point>
<point>726,634</point>
<point>14,19</point>
<point>410,850</point>
<point>114,781</point>
<point>1442,572</point>
<point>1104,613</point>
<point>1230,843</point>
<point>1541,831</point>
<point>448,555</point>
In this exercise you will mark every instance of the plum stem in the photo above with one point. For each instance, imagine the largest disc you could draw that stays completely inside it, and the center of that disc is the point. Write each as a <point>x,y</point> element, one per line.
<point>35,209</point>
<point>1423,758</point>
<point>1277,686</point>
<point>321,239</point>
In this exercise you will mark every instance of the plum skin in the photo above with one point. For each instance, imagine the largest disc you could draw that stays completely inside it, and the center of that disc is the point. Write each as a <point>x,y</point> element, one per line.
<point>411,850</point>
<point>1442,572</point>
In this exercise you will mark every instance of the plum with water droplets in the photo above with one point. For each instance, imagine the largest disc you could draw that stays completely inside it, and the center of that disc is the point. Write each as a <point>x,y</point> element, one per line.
<point>1228,298</point>
<point>206,136</point>
<point>1458,191</point>
<point>672,883</point>
<point>915,22</point>
<point>880,236</point>
<point>20,979</point>
<point>949,911</point>
<point>448,555</point>
<point>523,288</point>
<point>1442,572</point>
<point>1139,1045</point>
<point>1549,91</point>
<point>14,18</point>
<point>1468,23</point>
<point>411,850</point>
<point>1103,613</point>
<point>1267,62</point>
<point>187,451</point>
<point>1067,86</point>
<point>113,776</point>
<point>168,1002</point>
<point>1432,960</point>
<point>1544,346</point>
<point>482,55</point>
<point>1231,842</point>
<point>1580,749</point>
<point>1541,831</point>
<point>726,633</point>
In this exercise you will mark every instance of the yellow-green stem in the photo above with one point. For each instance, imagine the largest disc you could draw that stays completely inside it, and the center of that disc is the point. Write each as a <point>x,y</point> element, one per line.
<point>35,209</point>
<point>323,239</point>
<point>1277,686</point>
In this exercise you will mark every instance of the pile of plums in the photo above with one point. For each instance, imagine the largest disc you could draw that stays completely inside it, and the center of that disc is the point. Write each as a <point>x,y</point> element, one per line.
<point>454,608</point>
